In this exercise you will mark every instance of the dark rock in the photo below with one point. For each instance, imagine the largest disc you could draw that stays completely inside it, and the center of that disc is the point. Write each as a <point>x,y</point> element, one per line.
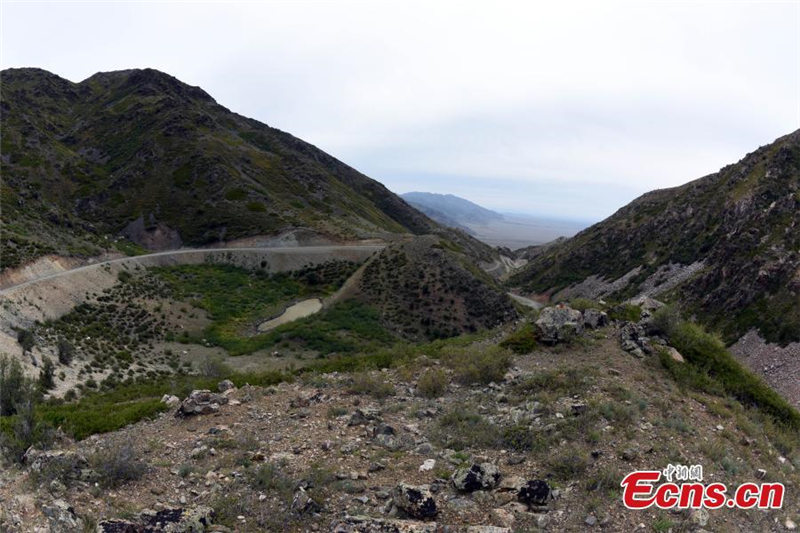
<point>535,492</point>
<point>476,477</point>
<point>192,520</point>
<point>415,501</point>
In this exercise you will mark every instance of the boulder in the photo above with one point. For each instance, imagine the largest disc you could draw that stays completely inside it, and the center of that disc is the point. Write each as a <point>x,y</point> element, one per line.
<point>633,339</point>
<point>302,503</point>
<point>535,493</point>
<point>594,318</point>
<point>558,324</point>
<point>482,476</point>
<point>170,400</point>
<point>69,462</point>
<point>675,355</point>
<point>62,518</point>
<point>415,501</point>
<point>646,304</point>
<point>201,402</point>
<point>225,385</point>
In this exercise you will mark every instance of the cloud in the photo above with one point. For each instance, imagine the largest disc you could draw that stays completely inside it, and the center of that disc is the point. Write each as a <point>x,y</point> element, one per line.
<point>517,99</point>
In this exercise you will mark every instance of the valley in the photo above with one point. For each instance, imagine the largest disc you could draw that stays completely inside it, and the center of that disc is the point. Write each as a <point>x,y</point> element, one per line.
<point>208,324</point>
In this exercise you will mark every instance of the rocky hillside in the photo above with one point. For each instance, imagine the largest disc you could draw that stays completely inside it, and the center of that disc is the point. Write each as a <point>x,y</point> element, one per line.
<point>725,246</point>
<point>139,154</point>
<point>427,289</point>
<point>464,439</point>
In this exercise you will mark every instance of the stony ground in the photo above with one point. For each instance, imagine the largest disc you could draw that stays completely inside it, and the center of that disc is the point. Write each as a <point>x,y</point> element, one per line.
<point>317,454</point>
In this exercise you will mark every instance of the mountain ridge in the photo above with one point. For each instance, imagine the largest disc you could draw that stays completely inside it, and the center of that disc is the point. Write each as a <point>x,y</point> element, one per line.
<point>138,153</point>
<point>732,234</point>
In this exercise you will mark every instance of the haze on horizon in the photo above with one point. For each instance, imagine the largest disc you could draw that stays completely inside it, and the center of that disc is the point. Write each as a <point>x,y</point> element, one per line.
<point>567,109</point>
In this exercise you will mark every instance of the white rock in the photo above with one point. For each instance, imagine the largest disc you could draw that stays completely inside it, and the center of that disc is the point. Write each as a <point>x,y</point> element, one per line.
<point>427,465</point>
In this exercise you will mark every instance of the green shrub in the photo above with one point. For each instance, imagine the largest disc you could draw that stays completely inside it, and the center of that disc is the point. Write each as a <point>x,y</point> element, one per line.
<point>712,367</point>
<point>460,428</point>
<point>432,383</point>
<point>477,365</point>
<point>582,304</point>
<point>26,339</point>
<point>522,341</point>
<point>66,351</point>
<point>14,386</point>
<point>270,477</point>
<point>522,438</point>
<point>568,465</point>
<point>373,385</point>
<point>626,312</point>
<point>117,466</point>
<point>47,375</point>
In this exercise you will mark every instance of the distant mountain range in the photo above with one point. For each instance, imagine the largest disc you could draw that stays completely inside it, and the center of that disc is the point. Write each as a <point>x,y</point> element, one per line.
<point>451,210</point>
<point>505,230</point>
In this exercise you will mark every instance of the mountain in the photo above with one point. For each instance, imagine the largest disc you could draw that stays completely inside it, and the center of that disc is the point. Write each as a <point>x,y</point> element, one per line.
<point>139,154</point>
<point>451,210</point>
<point>726,247</point>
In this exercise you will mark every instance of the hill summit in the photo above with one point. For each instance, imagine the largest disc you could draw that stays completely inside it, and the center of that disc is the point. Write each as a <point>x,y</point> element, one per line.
<point>141,154</point>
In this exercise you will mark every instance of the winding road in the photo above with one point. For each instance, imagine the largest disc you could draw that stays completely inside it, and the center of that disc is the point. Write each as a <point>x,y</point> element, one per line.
<point>292,250</point>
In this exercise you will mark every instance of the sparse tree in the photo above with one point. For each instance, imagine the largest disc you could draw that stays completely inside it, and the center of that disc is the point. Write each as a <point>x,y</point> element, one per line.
<point>47,375</point>
<point>66,352</point>
<point>26,340</point>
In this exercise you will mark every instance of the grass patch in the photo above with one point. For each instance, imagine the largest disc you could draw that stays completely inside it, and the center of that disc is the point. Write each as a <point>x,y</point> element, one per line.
<point>711,368</point>
<point>472,365</point>
<point>522,341</point>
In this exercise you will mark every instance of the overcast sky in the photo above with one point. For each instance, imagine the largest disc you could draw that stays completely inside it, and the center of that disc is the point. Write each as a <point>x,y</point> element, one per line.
<point>550,108</point>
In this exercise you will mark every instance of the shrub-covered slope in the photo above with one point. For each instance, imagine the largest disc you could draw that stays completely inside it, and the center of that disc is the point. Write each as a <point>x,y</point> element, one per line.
<point>427,288</point>
<point>139,153</point>
<point>740,228</point>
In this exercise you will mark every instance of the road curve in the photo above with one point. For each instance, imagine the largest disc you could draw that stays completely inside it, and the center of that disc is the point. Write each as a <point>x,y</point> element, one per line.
<point>286,249</point>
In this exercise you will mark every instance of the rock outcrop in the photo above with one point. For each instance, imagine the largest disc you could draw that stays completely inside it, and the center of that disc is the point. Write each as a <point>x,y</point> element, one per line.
<point>201,402</point>
<point>558,324</point>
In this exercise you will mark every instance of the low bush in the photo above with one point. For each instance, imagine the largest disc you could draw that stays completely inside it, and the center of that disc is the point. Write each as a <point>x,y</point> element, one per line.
<point>626,312</point>
<point>66,351</point>
<point>522,341</point>
<point>482,365</point>
<point>117,466</point>
<point>582,304</point>
<point>432,383</point>
<point>568,465</point>
<point>371,384</point>
<point>460,428</point>
<point>47,375</point>
<point>26,340</point>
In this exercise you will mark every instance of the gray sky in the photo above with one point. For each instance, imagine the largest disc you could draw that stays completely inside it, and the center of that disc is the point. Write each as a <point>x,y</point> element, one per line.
<point>550,108</point>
